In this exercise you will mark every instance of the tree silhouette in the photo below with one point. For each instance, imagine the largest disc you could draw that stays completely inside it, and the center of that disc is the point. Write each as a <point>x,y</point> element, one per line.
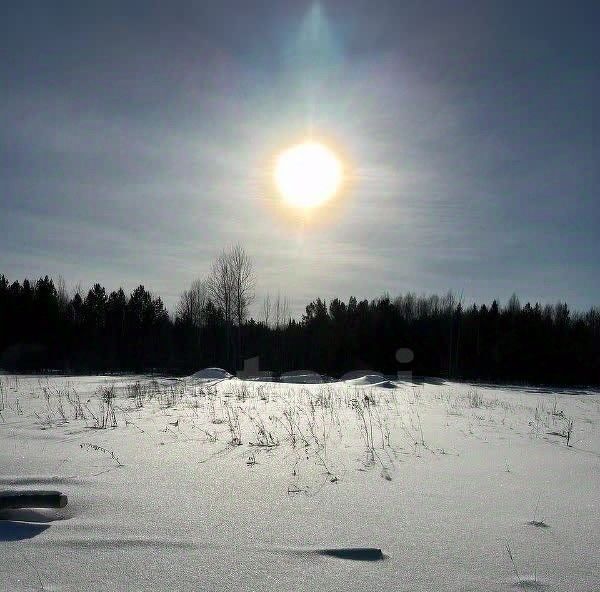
<point>42,328</point>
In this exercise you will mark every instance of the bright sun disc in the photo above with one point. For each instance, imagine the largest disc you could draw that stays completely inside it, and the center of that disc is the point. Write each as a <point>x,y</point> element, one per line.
<point>308,174</point>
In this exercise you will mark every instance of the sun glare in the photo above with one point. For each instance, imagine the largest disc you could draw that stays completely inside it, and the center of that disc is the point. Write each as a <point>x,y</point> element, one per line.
<point>308,174</point>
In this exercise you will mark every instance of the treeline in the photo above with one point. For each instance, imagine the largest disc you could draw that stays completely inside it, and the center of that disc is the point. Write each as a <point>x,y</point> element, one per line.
<point>43,327</point>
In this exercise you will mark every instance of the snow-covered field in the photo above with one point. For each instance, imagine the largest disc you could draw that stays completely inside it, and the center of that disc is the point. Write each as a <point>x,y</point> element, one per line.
<point>212,483</point>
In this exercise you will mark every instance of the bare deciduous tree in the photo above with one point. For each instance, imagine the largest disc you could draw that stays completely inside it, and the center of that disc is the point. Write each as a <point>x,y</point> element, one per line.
<point>231,288</point>
<point>243,283</point>
<point>276,312</point>
<point>281,311</point>
<point>266,310</point>
<point>192,303</point>
<point>221,286</point>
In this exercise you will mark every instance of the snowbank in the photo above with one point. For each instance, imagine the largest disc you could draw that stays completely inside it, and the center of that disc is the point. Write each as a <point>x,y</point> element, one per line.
<point>377,380</point>
<point>211,374</point>
<point>301,377</point>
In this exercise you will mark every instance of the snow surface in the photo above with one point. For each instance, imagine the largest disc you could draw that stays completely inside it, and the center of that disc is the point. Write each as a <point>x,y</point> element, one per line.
<point>239,485</point>
<point>370,380</point>
<point>211,374</point>
<point>302,377</point>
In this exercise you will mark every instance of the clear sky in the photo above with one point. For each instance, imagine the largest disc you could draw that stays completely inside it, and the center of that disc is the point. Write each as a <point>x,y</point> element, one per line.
<point>137,140</point>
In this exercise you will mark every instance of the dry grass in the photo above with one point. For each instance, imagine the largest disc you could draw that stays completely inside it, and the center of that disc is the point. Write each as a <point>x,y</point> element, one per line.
<point>316,428</point>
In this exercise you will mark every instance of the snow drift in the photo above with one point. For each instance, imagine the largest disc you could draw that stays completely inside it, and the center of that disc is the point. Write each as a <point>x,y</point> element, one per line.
<point>374,380</point>
<point>211,374</point>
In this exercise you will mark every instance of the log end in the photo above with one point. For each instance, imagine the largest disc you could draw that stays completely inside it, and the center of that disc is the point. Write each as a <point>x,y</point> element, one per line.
<point>33,498</point>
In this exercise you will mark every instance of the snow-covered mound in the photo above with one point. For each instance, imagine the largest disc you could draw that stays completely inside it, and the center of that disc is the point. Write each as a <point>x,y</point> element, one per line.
<point>211,374</point>
<point>301,377</point>
<point>377,380</point>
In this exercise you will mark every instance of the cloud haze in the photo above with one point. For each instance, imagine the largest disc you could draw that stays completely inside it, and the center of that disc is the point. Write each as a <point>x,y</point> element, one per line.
<point>137,140</point>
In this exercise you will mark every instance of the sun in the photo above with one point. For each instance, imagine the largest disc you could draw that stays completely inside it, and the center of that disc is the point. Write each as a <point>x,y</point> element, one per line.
<point>308,174</point>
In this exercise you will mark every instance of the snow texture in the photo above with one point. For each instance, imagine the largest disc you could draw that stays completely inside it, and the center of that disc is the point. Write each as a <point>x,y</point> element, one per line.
<point>211,374</point>
<point>213,483</point>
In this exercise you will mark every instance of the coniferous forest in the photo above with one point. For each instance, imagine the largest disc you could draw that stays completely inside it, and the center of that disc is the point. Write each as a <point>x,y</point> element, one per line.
<point>44,328</point>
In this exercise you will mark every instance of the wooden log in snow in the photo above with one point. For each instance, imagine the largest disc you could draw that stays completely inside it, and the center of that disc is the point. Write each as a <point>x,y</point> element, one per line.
<point>356,553</point>
<point>32,498</point>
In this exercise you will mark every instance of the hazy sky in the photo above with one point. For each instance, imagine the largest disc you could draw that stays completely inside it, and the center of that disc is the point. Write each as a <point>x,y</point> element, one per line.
<point>137,140</point>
